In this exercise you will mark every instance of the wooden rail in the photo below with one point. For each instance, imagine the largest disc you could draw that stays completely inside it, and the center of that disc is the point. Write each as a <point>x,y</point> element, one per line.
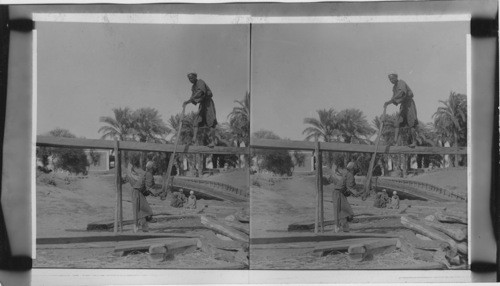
<point>48,141</point>
<point>359,148</point>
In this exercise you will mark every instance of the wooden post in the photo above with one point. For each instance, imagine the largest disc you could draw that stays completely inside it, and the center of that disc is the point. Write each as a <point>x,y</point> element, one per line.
<point>118,166</point>
<point>316,154</point>
<point>320,187</point>
<point>117,175</point>
<point>368,182</point>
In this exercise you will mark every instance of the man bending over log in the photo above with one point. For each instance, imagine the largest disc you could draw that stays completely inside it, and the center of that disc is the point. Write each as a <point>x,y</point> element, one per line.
<point>402,95</point>
<point>202,95</point>
<point>344,186</point>
<point>141,188</point>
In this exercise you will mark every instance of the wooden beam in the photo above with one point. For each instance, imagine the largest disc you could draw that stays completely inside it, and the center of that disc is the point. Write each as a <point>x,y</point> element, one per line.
<point>344,147</point>
<point>108,224</point>
<point>427,231</point>
<point>225,230</point>
<point>117,183</point>
<point>455,233</point>
<point>243,227</point>
<point>356,219</point>
<point>118,167</point>
<point>316,238</point>
<point>449,218</point>
<point>316,215</point>
<point>99,238</point>
<point>325,248</point>
<point>49,141</point>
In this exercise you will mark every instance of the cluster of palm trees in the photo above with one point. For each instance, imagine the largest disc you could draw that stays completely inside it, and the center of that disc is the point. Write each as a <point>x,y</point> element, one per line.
<point>146,125</point>
<point>350,126</point>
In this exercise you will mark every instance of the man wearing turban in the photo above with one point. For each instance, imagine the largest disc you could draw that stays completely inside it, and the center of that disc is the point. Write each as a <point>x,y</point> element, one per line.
<point>202,95</point>
<point>142,210</point>
<point>402,95</point>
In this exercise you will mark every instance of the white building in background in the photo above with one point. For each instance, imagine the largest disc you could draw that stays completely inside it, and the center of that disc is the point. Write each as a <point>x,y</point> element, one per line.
<point>101,162</point>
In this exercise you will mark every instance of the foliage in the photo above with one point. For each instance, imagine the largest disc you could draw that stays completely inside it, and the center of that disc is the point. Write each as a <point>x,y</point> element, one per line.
<point>324,128</point>
<point>450,121</point>
<point>68,159</point>
<point>147,125</point>
<point>278,162</point>
<point>239,120</point>
<point>353,127</point>
<point>275,161</point>
<point>118,127</point>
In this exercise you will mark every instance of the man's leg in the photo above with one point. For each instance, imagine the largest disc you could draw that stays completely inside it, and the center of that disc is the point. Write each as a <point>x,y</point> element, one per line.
<point>396,136</point>
<point>413,135</point>
<point>212,137</point>
<point>195,134</point>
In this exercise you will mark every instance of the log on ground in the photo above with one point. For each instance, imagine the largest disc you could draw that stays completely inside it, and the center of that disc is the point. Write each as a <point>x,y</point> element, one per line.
<point>325,248</point>
<point>225,230</point>
<point>450,218</point>
<point>455,233</point>
<point>368,249</point>
<point>243,227</point>
<point>428,231</point>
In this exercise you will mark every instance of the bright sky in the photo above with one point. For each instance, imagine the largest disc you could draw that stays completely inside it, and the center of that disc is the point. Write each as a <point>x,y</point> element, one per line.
<point>300,68</point>
<point>85,70</point>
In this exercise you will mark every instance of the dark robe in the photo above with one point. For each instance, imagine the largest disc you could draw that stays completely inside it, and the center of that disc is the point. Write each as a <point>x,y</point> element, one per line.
<point>403,96</point>
<point>202,95</point>
<point>141,189</point>
<point>343,181</point>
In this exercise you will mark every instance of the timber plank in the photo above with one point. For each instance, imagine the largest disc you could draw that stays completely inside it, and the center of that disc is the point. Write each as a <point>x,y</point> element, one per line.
<point>356,219</point>
<point>245,228</point>
<point>140,245</point>
<point>455,233</point>
<point>225,230</point>
<point>135,146</point>
<point>317,238</point>
<point>449,218</point>
<point>428,231</point>
<point>103,238</point>
<point>325,248</point>
<point>344,147</point>
<point>161,217</point>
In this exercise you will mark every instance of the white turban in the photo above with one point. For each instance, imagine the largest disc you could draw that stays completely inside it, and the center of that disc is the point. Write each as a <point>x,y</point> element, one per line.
<point>350,165</point>
<point>149,165</point>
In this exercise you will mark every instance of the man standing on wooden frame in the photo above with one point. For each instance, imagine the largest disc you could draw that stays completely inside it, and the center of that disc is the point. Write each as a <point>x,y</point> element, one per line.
<point>407,117</point>
<point>206,118</point>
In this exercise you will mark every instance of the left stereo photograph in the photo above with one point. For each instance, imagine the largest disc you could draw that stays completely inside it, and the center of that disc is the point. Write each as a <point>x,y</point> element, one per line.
<point>142,145</point>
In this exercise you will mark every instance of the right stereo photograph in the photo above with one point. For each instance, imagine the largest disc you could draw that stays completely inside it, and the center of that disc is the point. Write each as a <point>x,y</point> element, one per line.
<point>359,145</point>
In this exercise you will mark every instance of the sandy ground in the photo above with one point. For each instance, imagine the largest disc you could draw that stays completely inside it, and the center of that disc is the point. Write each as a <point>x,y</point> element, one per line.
<point>65,205</point>
<point>275,205</point>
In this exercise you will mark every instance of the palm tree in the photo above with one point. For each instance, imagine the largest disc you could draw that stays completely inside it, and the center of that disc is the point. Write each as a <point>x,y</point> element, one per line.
<point>118,127</point>
<point>148,126</point>
<point>450,120</point>
<point>325,127</point>
<point>353,126</point>
<point>239,120</point>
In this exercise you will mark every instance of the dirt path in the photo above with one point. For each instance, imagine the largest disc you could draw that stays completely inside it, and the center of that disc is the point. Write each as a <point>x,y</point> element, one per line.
<point>277,203</point>
<point>65,205</point>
